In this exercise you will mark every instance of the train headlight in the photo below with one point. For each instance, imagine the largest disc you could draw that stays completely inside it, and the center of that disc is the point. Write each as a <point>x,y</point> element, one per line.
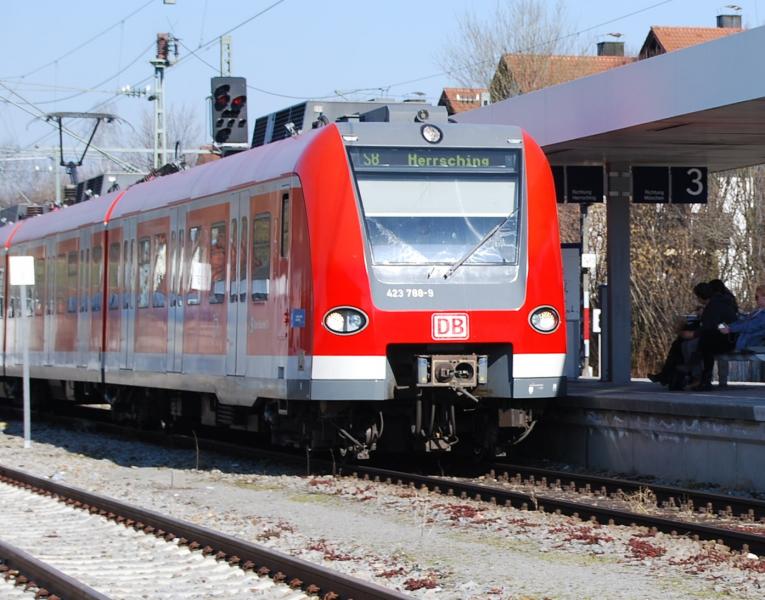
<point>544,319</point>
<point>345,320</point>
<point>431,134</point>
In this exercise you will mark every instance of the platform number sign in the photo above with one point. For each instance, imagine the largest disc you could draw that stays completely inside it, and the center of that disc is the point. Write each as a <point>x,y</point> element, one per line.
<point>689,185</point>
<point>678,185</point>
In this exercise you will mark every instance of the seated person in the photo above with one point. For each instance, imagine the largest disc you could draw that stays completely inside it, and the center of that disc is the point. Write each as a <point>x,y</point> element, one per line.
<point>720,308</point>
<point>750,328</point>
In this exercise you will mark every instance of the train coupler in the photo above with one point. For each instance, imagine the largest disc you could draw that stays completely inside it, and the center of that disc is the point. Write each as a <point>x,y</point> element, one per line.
<point>452,370</point>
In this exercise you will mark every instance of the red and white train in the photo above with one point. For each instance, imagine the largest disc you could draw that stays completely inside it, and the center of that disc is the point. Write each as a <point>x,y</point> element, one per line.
<point>372,282</point>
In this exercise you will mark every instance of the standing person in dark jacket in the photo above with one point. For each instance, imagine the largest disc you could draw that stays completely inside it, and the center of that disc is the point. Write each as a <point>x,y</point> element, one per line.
<point>718,287</point>
<point>720,309</point>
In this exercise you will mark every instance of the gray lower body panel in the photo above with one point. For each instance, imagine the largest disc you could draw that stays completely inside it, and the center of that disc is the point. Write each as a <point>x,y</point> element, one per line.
<point>345,389</point>
<point>539,387</point>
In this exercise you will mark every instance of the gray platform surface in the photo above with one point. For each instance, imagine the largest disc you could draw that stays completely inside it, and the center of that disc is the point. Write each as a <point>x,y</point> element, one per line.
<point>738,401</point>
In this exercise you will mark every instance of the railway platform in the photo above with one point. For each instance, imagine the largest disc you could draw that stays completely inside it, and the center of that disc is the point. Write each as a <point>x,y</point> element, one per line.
<point>714,437</point>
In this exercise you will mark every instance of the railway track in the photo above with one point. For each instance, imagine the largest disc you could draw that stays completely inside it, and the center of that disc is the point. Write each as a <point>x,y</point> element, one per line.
<point>739,534</point>
<point>22,575</point>
<point>123,551</point>
<point>668,497</point>
<point>702,515</point>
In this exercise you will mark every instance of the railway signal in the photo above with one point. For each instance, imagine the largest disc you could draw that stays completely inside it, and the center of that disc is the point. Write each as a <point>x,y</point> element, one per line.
<point>229,110</point>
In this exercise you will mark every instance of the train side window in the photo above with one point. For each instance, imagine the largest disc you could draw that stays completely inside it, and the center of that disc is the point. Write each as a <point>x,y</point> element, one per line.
<point>261,256</point>
<point>180,268</point>
<point>60,283</point>
<point>196,267</point>
<point>218,262</point>
<point>173,253</point>
<point>114,276</point>
<point>84,281</point>
<point>284,246</point>
<point>232,256</point>
<point>243,262</point>
<point>96,276</point>
<point>144,271</point>
<point>71,280</point>
<point>36,293</point>
<point>159,275</point>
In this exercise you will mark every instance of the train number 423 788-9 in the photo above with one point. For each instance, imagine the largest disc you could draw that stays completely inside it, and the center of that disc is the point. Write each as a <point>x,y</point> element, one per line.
<point>410,293</point>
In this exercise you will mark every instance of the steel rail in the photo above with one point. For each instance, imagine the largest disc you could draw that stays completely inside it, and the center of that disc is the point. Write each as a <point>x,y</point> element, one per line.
<point>735,539</point>
<point>731,505</point>
<point>281,567</point>
<point>45,577</point>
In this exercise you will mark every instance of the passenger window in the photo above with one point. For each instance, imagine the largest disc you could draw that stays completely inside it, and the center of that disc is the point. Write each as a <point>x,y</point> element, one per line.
<point>218,262</point>
<point>261,256</point>
<point>180,268</point>
<point>114,276</point>
<point>233,289</point>
<point>127,266</point>
<point>284,246</point>
<point>96,277</point>
<point>144,271</point>
<point>71,279</point>
<point>198,272</point>
<point>38,287</point>
<point>60,283</point>
<point>84,272</point>
<point>243,262</point>
<point>158,281</point>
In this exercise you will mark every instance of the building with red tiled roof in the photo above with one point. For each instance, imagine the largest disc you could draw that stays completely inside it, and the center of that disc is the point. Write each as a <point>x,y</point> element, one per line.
<point>522,73</point>
<point>457,100</point>
<point>661,40</point>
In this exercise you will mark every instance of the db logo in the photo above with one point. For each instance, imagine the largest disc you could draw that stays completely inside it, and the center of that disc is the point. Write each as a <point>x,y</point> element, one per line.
<point>452,326</point>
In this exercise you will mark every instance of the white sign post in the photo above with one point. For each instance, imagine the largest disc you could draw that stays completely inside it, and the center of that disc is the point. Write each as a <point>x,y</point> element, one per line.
<point>22,273</point>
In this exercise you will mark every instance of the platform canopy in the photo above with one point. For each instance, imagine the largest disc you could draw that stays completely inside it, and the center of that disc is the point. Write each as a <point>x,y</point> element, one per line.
<point>702,106</point>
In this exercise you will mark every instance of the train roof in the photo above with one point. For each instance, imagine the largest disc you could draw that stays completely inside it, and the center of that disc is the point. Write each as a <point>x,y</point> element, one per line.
<point>258,164</point>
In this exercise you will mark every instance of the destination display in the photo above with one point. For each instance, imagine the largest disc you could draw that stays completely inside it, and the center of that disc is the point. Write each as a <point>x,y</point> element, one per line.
<point>661,185</point>
<point>433,159</point>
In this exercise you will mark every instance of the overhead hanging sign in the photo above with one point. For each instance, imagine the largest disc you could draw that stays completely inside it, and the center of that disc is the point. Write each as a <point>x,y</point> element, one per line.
<point>661,185</point>
<point>579,184</point>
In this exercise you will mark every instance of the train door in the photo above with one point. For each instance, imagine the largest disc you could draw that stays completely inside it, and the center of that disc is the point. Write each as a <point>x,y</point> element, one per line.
<point>50,302</point>
<point>236,355</point>
<point>82,343</point>
<point>176,291</point>
<point>127,320</point>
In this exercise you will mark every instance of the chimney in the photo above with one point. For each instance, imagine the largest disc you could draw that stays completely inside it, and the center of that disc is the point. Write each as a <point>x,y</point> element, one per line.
<point>729,21</point>
<point>612,48</point>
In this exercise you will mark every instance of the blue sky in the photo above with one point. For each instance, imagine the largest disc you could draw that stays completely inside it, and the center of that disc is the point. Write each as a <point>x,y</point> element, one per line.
<point>296,49</point>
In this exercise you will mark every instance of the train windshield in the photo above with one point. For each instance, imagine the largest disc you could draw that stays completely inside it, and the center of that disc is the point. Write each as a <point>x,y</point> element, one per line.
<point>437,218</point>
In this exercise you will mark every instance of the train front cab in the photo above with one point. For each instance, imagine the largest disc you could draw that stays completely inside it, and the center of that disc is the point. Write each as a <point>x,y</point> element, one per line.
<point>446,304</point>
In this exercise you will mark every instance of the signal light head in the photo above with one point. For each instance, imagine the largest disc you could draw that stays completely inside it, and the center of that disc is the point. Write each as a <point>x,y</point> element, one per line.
<point>238,102</point>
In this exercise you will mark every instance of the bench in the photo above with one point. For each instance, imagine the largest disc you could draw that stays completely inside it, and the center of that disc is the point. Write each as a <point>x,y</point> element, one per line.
<point>753,355</point>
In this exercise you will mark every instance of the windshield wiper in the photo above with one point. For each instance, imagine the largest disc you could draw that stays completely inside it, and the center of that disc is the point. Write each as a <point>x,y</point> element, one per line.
<point>450,271</point>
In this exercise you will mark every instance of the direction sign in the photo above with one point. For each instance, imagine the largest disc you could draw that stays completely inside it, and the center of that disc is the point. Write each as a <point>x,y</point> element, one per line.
<point>584,184</point>
<point>650,185</point>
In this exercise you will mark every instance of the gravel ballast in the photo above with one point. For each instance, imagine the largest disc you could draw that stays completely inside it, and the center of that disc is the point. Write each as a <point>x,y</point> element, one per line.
<point>424,544</point>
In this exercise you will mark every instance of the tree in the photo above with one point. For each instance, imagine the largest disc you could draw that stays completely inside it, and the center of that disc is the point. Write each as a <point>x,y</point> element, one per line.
<point>525,28</point>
